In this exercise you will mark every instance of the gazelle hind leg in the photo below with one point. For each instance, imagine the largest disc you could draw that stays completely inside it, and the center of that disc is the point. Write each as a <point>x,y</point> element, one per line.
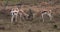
<point>50,16</point>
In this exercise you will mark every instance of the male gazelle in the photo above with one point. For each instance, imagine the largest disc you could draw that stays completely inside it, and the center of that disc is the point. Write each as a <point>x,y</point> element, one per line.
<point>15,12</point>
<point>47,12</point>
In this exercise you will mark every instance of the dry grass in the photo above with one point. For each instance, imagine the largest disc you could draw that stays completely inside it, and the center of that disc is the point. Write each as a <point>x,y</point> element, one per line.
<point>30,26</point>
<point>36,25</point>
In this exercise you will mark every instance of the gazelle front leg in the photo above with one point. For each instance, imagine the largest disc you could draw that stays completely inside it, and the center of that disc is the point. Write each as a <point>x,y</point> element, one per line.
<point>12,18</point>
<point>16,17</point>
<point>43,17</point>
<point>20,16</point>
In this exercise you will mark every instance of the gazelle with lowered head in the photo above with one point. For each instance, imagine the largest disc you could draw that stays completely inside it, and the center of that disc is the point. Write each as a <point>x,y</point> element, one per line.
<point>46,12</point>
<point>15,12</point>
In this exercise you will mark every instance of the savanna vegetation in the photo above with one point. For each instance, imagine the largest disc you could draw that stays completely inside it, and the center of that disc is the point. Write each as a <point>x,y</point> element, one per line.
<point>36,25</point>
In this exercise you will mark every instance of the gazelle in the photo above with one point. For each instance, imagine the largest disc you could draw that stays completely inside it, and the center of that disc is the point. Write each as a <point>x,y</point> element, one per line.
<point>47,12</point>
<point>15,12</point>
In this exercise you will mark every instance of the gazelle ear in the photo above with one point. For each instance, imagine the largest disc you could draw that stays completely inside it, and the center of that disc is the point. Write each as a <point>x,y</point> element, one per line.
<point>12,9</point>
<point>50,10</point>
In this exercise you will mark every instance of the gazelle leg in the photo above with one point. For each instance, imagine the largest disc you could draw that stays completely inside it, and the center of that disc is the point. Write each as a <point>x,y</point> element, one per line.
<point>43,17</point>
<point>16,18</point>
<point>12,18</point>
<point>20,16</point>
<point>26,16</point>
<point>50,16</point>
